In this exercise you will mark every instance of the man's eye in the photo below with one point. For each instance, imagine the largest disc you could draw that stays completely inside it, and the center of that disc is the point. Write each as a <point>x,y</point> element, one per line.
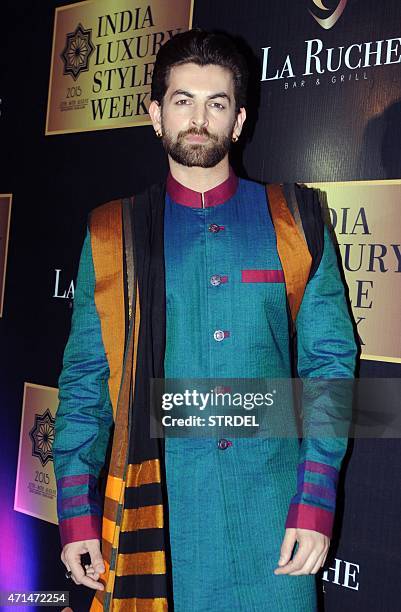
<point>183,101</point>
<point>217,105</point>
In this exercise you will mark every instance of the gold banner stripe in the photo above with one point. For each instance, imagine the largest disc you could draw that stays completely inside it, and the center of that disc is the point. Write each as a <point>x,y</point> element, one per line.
<point>147,517</point>
<point>381,358</point>
<point>143,473</point>
<point>158,604</point>
<point>113,487</point>
<point>141,563</point>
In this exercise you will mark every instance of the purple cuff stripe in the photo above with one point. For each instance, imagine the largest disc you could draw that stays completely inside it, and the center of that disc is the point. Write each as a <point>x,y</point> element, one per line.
<point>77,500</point>
<point>323,492</point>
<point>73,481</point>
<point>319,468</point>
<point>306,476</point>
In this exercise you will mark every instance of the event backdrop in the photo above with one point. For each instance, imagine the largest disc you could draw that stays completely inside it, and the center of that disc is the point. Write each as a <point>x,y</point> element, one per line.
<point>324,108</point>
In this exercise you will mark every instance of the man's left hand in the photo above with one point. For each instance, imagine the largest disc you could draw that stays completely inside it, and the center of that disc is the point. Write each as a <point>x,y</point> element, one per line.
<point>310,556</point>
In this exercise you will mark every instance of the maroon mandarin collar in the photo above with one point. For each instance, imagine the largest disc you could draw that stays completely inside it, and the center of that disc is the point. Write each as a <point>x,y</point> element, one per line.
<point>188,197</point>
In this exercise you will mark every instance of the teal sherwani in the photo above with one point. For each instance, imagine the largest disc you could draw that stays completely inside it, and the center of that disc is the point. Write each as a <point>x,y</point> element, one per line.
<point>229,499</point>
<point>226,317</point>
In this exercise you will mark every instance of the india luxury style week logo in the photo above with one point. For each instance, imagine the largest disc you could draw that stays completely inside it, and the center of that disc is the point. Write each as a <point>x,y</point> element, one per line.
<point>103,58</point>
<point>320,63</point>
<point>42,437</point>
<point>35,488</point>
<point>77,51</point>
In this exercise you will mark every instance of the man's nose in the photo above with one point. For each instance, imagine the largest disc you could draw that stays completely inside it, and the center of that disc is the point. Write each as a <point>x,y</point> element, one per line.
<point>199,117</point>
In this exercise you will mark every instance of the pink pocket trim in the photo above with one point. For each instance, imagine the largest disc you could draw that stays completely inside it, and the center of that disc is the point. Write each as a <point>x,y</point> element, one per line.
<point>262,276</point>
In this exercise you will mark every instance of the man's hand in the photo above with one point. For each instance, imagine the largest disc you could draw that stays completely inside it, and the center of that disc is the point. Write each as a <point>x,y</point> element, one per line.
<point>310,556</point>
<point>71,557</point>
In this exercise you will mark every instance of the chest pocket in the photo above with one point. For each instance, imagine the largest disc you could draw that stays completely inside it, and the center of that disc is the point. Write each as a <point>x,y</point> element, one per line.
<point>263,295</point>
<point>262,276</point>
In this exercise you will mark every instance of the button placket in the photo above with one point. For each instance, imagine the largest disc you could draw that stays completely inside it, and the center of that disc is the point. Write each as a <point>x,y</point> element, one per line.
<point>216,280</point>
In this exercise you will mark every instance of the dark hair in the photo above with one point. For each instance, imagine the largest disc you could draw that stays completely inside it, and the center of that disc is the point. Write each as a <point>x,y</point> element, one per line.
<point>201,48</point>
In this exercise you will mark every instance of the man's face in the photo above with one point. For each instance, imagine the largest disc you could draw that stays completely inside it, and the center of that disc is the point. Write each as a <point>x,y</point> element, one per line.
<point>198,117</point>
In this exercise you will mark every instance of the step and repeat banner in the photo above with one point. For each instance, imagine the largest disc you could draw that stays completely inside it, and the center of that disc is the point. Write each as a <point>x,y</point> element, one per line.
<point>366,223</point>
<point>324,110</point>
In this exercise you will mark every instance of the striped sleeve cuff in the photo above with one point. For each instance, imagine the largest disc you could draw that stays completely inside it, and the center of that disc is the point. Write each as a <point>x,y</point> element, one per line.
<point>80,528</point>
<point>309,517</point>
<point>78,508</point>
<point>313,506</point>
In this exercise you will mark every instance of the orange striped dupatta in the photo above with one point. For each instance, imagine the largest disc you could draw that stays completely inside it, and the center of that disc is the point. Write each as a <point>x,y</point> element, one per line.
<point>134,475</point>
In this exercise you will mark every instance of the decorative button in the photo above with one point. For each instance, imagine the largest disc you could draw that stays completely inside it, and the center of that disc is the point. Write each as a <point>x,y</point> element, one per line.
<point>213,227</point>
<point>215,280</point>
<point>218,335</point>
<point>223,444</point>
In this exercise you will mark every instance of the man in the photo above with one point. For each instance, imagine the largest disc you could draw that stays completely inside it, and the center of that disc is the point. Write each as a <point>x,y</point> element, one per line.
<point>235,509</point>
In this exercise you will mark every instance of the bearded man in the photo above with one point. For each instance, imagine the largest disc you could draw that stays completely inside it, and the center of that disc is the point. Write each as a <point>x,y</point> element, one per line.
<point>191,279</point>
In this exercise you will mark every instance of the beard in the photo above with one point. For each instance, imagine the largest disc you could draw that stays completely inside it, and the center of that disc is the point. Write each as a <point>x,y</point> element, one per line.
<point>203,155</point>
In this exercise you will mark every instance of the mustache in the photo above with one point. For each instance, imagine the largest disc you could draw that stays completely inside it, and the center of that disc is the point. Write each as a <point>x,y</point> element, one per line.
<point>197,132</point>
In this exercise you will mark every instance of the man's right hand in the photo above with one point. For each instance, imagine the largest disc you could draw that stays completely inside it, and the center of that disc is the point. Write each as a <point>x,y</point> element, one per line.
<point>71,557</point>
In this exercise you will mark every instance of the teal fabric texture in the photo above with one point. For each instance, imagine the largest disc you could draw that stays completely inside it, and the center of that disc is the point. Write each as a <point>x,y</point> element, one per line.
<point>228,506</point>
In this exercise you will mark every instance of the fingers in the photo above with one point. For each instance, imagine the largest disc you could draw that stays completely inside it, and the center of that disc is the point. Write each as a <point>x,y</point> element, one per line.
<point>78,573</point>
<point>305,563</point>
<point>310,556</point>
<point>319,563</point>
<point>64,560</point>
<point>321,560</point>
<point>96,557</point>
<point>71,557</point>
<point>298,561</point>
<point>287,546</point>
<point>286,549</point>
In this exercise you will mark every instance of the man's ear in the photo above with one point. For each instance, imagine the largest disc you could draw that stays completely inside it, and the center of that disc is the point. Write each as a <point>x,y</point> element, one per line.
<point>239,122</point>
<point>155,115</point>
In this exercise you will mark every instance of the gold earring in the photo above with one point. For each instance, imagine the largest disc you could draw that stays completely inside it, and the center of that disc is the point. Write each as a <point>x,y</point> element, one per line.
<point>159,134</point>
<point>235,139</point>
